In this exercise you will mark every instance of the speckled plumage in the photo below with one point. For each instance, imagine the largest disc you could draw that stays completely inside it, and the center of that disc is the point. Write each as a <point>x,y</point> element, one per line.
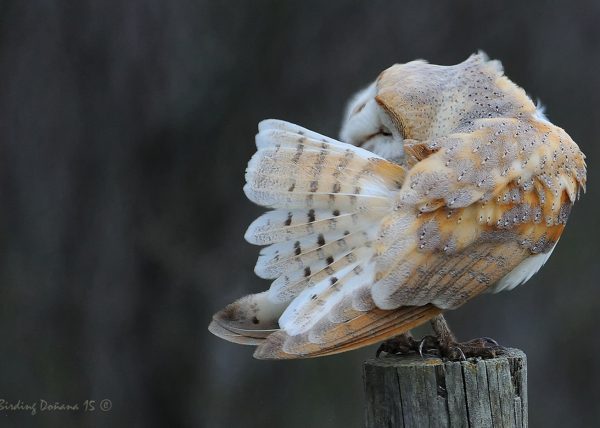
<point>465,188</point>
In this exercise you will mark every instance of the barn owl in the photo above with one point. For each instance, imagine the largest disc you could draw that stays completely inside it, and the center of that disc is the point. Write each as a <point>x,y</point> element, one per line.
<point>448,182</point>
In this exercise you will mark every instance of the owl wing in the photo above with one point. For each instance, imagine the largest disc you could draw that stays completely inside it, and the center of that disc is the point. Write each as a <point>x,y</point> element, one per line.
<point>475,206</point>
<point>328,200</point>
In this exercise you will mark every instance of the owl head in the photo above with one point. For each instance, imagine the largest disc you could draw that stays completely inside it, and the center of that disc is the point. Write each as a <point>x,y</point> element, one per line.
<point>422,101</point>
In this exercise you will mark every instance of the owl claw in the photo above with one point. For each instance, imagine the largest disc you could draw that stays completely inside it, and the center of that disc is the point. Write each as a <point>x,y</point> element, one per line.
<point>428,345</point>
<point>421,347</point>
<point>492,341</point>
<point>461,354</point>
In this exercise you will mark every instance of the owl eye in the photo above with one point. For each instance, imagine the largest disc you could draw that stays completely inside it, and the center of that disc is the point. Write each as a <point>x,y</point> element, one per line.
<point>382,132</point>
<point>358,109</point>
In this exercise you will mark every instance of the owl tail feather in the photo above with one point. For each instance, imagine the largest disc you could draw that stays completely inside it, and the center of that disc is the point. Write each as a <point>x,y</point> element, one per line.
<point>329,201</point>
<point>247,321</point>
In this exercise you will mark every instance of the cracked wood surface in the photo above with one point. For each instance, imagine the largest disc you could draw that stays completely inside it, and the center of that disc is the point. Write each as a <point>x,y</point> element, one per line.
<point>410,391</point>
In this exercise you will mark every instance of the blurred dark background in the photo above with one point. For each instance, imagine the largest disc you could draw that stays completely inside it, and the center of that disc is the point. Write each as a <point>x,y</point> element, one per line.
<point>125,128</point>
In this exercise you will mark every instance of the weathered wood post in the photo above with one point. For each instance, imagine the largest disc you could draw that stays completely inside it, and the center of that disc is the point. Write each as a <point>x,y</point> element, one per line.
<point>411,391</point>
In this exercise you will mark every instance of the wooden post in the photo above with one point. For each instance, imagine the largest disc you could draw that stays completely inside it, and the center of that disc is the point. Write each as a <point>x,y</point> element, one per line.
<point>411,391</point>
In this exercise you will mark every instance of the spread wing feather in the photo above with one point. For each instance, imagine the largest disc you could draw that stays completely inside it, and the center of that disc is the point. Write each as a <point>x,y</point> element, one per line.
<point>329,199</point>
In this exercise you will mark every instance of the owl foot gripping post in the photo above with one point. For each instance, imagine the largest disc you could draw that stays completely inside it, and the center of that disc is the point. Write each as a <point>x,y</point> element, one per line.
<point>444,344</point>
<point>448,183</point>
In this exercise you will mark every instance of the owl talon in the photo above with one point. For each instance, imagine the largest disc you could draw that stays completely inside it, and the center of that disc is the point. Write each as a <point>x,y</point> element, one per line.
<point>489,339</point>
<point>460,355</point>
<point>476,348</point>
<point>450,348</point>
<point>421,343</point>
<point>428,345</point>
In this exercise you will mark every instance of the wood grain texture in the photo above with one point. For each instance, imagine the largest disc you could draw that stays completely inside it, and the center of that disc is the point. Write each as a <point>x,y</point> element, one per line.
<point>410,391</point>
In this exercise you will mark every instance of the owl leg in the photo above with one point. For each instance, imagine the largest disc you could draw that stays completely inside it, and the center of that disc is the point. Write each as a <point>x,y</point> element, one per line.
<point>450,348</point>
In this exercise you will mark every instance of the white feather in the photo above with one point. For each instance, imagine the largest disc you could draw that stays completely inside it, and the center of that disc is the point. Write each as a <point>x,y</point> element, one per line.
<point>306,309</point>
<point>540,112</point>
<point>330,200</point>
<point>522,273</point>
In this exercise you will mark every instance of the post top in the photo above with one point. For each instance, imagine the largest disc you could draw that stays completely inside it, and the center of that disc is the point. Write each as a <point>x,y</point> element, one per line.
<point>414,359</point>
